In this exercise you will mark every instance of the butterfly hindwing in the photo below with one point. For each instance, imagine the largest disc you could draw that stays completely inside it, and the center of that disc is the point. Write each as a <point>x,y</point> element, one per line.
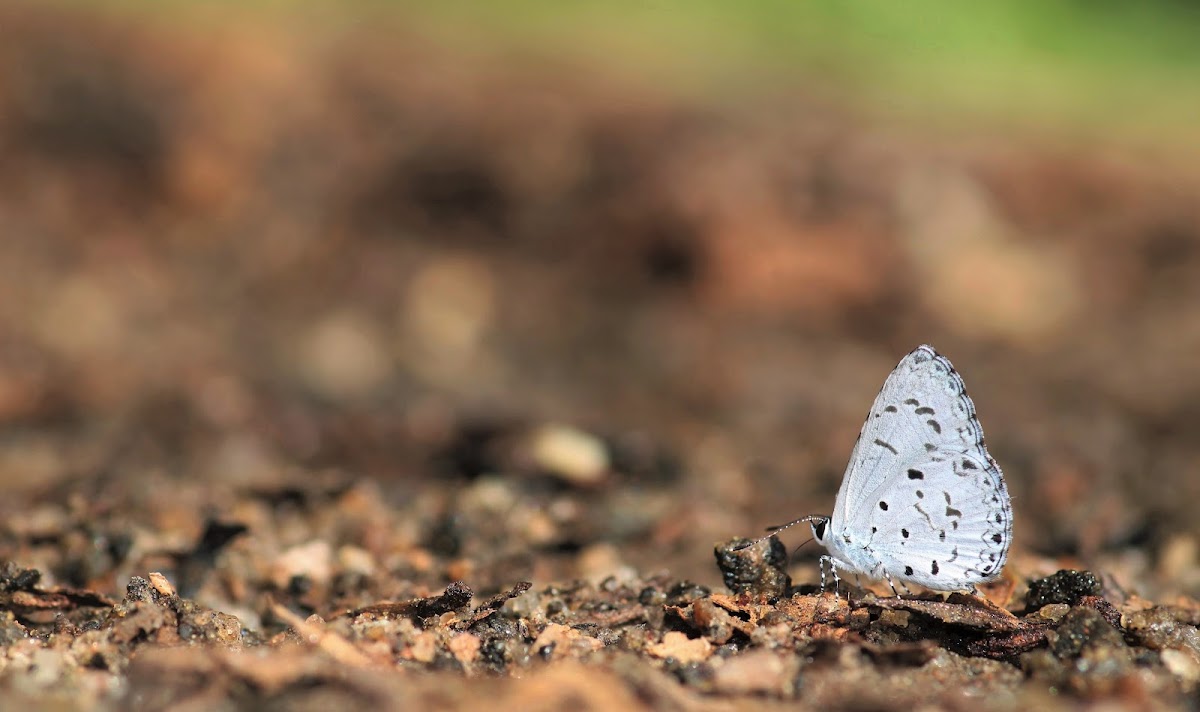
<point>948,523</point>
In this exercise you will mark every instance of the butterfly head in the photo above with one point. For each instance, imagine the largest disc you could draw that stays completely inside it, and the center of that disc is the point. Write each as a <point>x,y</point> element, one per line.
<point>820,528</point>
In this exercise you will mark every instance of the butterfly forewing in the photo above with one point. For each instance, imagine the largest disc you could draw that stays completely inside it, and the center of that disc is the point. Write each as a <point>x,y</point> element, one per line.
<point>923,406</point>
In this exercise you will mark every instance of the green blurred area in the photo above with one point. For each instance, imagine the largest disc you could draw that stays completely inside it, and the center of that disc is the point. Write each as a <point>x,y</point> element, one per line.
<point>1126,66</point>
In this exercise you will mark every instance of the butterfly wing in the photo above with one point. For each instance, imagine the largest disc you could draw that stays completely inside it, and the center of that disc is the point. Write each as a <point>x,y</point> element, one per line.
<point>922,407</point>
<point>949,521</point>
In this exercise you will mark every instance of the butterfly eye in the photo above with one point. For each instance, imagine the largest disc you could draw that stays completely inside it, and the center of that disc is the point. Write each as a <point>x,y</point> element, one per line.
<point>819,529</point>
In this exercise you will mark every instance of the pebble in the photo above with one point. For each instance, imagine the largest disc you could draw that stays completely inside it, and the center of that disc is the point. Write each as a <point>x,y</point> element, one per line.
<point>1065,586</point>
<point>679,647</point>
<point>465,647</point>
<point>1054,611</point>
<point>757,672</point>
<point>161,584</point>
<point>343,357</point>
<point>312,560</point>
<point>570,454</point>
<point>354,559</point>
<point>1182,664</point>
<point>560,641</point>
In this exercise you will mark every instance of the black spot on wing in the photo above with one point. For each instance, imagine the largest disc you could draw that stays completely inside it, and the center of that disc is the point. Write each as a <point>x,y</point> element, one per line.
<point>908,571</point>
<point>887,445</point>
<point>912,401</point>
<point>934,568</point>
<point>937,428</point>
<point>883,505</point>
<point>952,512</point>
<point>924,410</point>
<point>923,513</point>
<point>890,409</point>
<point>916,475</point>
<point>968,465</point>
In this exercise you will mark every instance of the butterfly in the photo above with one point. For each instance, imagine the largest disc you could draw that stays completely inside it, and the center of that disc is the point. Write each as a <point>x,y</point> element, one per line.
<point>921,501</point>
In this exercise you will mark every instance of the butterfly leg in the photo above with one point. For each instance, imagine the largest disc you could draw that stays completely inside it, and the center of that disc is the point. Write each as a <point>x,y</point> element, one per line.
<point>821,564</point>
<point>891,583</point>
<point>837,581</point>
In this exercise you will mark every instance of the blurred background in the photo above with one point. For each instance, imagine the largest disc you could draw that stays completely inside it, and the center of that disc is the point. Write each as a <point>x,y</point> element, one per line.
<point>538,290</point>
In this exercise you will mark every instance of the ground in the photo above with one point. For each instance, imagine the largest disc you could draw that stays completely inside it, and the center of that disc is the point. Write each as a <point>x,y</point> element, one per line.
<point>354,371</point>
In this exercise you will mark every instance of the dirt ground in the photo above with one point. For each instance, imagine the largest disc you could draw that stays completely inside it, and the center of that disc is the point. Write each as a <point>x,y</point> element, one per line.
<point>343,369</point>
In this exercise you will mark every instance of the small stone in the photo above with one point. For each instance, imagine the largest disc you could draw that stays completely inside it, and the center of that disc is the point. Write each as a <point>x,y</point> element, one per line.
<point>758,672</point>
<point>559,641</point>
<point>894,619</point>
<point>1158,628</point>
<point>423,648</point>
<point>1081,629</point>
<point>651,596</point>
<point>716,622</point>
<point>138,589</point>
<point>46,669</point>
<point>1066,586</point>
<point>356,560</point>
<point>1178,557</point>
<point>446,312</point>
<point>1054,611</point>
<point>678,646</point>
<point>465,647</point>
<point>312,560</point>
<point>160,584</point>
<point>859,619</point>
<point>570,454</point>
<point>343,356</point>
<point>1182,664</point>
<point>540,529</point>
<point>1042,665</point>
<point>759,569</point>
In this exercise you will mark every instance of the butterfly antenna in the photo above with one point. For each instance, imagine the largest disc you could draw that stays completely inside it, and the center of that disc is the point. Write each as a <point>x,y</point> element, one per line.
<point>778,528</point>
<point>803,544</point>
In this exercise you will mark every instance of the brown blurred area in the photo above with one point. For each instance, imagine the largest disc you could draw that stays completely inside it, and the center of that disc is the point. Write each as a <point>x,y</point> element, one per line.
<point>242,259</point>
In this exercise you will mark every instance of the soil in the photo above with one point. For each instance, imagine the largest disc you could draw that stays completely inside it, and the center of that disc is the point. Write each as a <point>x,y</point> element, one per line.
<point>341,368</point>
